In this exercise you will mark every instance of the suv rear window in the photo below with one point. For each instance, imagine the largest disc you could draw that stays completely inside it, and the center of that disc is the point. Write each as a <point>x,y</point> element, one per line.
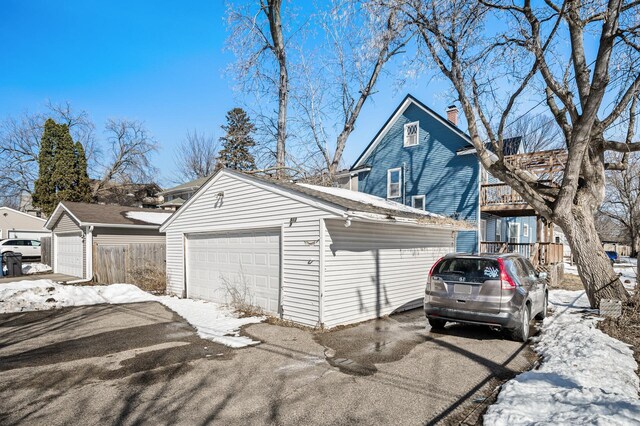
<point>474,270</point>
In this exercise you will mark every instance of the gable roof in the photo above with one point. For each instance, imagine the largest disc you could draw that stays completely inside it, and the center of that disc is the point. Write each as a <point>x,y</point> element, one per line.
<point>23,213</point>
<point>339,201</point>
<point>192,185</point>
<point>85,214</point>
<point>408,100</point>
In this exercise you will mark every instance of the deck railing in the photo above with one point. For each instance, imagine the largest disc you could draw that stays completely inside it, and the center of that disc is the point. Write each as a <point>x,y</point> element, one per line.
<point>499,194</point>
<point>537,253</point>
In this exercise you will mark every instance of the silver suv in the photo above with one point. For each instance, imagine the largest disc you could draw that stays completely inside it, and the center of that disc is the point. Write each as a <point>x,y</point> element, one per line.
<point>502,291</point>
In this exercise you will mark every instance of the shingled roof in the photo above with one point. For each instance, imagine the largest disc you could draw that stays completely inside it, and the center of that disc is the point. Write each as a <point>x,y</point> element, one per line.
<point>101,214</point>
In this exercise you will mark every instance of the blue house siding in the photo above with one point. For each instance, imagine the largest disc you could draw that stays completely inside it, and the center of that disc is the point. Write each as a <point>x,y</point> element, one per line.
<point>448,181</point>
<point>492,225</point>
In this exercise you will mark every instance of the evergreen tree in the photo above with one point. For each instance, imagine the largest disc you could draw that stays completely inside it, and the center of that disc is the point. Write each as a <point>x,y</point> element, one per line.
<point>64,173</point>
<point>237,142</point>
<point>82,186</point>
<point>45,187</point>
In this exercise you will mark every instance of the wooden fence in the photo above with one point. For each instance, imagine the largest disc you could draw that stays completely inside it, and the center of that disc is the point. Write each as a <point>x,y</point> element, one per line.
<point>141,264</point>
<point>45,250</point>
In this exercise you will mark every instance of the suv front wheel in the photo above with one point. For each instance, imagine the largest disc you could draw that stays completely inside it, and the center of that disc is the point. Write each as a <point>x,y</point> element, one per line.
<point>521,332</point>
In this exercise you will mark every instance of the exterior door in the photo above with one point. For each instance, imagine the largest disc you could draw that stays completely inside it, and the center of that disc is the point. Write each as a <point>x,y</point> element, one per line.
<point>514,233</point>
<point>69,255</point>
<point>237,267</point>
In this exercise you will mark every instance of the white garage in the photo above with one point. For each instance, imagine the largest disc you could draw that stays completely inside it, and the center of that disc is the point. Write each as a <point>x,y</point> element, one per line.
<point>248,262</point>
<point>69,259</point>
<point>313,255</point>
<point>105,242</point>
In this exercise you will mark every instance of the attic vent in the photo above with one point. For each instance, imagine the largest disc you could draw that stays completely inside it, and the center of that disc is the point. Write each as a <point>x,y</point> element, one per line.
<point>411,133</point>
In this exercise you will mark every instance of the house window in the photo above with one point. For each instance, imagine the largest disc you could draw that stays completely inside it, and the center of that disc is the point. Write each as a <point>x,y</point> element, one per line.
<point>498,230</point>
<point>394,183</point>
<point>525,230</point>
<point>411,133</point>
<point>514,233</point>
<point>417,202</point>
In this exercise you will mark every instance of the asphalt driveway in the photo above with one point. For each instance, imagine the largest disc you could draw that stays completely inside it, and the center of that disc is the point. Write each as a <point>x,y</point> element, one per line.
<point>141,363</point>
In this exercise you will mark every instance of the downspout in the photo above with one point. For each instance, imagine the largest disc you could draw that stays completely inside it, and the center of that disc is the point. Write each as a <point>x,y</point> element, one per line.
<point>404,183</point>
<point>88,247</point>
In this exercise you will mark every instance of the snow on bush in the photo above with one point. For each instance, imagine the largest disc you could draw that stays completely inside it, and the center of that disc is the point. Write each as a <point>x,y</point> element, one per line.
<point>586,376</point>
<point>211,320</point>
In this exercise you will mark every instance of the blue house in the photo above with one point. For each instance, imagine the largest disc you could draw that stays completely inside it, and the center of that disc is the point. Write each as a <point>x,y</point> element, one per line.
<point>413,160</point>
<point>422,159</point>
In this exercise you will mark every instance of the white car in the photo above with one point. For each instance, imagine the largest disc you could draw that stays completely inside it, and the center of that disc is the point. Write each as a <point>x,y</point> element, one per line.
<point>28,248</point>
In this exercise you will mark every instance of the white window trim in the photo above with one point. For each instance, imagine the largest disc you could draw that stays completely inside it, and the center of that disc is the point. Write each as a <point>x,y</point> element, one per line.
<point>399,170</point>
<point>416,197</point>
<point>525,230</point>
<point>498,230</point>
<point>514,225</point>
<point>404,134</point>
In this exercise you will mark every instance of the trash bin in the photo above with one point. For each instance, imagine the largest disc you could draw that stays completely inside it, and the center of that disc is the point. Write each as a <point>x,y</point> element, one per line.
<point>12,262</point>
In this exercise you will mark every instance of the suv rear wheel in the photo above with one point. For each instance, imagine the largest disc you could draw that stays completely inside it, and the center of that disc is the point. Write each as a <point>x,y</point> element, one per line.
<point>437,324</point>
<point>521,332</point>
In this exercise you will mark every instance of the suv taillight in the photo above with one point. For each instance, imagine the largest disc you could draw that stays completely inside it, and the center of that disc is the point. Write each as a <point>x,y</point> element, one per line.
<point>433,267</point>
<point>505,278</point>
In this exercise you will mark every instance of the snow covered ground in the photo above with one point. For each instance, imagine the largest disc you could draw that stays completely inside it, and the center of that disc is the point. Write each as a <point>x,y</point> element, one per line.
<point>34,268</point>
<point>586,376</point>
<point>211,320</point>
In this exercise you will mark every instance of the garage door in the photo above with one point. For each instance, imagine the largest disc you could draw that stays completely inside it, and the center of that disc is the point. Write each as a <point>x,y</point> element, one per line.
<point>68,255</point>
<point>242,265</point>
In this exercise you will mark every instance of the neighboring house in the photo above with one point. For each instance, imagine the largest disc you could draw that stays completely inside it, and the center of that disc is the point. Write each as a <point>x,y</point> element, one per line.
<point>175,197</point>
<point>414,160</point>
<point>26,205</point>
<point>144,195</point>
<point>314,255</point>
<point>15,224</point>
<point>81,230</point>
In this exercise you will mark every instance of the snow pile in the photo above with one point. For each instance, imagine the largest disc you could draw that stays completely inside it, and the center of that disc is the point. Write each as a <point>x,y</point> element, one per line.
<point>156,218</point>
<point>586,376</point>
<point>211,320</point>
<point>371,200</point>
<point>34,268</point>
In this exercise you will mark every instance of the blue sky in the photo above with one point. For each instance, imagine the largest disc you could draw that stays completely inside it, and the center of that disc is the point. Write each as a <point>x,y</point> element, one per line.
<point>161,62</point>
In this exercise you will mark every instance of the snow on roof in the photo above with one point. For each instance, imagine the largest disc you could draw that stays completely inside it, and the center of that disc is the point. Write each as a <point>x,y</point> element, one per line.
<point>149,217</point>
<point>369,199</point>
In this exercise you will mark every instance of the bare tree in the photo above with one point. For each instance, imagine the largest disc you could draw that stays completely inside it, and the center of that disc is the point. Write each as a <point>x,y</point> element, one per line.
<point>360,38</point>
<point>20,143</point>
<point>257,39</point>
<point>128,159</point>
<point>196,156</point>
<point>539,133</point>
<point>542,46</point>
<point>622,201</point>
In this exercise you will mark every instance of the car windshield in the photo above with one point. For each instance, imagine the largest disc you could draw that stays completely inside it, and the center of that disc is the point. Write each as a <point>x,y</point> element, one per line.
<point>472,269</point>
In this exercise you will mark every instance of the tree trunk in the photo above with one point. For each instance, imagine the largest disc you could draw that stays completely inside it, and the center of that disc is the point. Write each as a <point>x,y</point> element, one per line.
<point>275,26</point>
<point>594,266</point>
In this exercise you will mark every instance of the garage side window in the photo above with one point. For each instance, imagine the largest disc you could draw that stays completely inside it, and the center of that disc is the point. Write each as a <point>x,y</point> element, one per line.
<point>394,183</point>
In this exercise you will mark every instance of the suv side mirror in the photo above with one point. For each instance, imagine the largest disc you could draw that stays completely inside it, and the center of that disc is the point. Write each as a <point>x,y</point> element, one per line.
<point>542,275</point>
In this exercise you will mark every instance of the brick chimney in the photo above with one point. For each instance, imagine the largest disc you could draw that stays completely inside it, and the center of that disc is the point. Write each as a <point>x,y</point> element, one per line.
<point>452,114</point>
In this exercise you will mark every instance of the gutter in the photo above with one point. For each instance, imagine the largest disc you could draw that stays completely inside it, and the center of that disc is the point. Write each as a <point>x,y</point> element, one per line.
<point>113,225</point>
<point>378,218</point>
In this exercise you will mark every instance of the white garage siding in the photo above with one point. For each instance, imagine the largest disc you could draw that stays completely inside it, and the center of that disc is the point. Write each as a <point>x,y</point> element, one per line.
<point>245,206</point>
<point>33,235</point>
<point>375,269</point>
